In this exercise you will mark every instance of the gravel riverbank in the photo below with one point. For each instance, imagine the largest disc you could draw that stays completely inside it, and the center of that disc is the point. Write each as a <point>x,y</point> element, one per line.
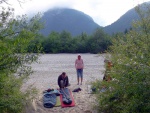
<point>46,73</point>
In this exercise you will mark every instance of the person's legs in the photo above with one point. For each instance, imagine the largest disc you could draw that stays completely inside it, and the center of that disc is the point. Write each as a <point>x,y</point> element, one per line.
<point>78,74</point>
<point>81,75</point>
<point>78,80</point>
<point>81,80</point>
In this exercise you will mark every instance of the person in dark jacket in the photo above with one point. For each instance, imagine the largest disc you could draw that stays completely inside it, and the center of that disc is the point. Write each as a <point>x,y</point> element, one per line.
<point>63,80</point>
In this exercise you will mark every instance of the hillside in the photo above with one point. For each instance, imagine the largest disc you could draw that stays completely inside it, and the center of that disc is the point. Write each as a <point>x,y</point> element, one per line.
<point>69,20</point>
<point>77,22</point>
<point>123,23</point>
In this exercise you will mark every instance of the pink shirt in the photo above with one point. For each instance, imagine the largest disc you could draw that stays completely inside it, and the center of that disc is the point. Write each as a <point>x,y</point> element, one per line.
<point>79,64</point>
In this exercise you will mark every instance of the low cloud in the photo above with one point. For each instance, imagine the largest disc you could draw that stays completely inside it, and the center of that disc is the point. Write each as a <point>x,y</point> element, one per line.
<point>103,12</point>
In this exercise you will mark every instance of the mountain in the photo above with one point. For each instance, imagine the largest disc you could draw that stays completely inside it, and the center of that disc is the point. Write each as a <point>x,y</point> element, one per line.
<point>125,21</point>
<point>70,20</point>
<point>77,22</point>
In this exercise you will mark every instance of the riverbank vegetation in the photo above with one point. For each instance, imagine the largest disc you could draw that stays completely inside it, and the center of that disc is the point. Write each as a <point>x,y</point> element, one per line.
<point>15,36</point>
<point>129,89</point>
<point>63,42</point>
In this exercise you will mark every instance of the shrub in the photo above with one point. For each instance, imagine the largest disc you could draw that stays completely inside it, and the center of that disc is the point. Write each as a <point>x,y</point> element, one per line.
<point>130,87</point>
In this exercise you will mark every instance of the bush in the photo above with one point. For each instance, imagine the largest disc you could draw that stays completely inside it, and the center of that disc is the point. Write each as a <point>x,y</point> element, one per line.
<point>15,36</point>
<point>130,87</point>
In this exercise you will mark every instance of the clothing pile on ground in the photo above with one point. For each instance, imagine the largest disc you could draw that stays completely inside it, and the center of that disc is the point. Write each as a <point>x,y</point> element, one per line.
<point>52,96</point>
<point>66,96</point>
<point>77,89</point>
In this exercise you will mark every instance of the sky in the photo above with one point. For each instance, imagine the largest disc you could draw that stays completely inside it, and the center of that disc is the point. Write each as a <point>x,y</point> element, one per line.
<point>103,12</point>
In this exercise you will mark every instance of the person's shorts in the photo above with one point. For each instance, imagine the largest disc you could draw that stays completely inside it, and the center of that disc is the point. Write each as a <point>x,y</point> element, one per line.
<point>80,73</point>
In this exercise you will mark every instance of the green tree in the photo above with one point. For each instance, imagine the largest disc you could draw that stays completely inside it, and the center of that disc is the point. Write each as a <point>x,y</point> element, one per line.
<point>46,44</point>
<point>54,42</point>
<point>65,38</point>
<point>35,46</point>
<point>129,90</point>
<point>99,41</point>
<point>15,36</point>
<point>82,41</point>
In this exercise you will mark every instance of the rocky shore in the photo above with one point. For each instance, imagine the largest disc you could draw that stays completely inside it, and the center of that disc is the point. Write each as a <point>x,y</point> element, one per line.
<point>46,73</point>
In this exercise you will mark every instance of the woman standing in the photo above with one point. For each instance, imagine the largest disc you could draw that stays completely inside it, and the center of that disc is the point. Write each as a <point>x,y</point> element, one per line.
<point>79,65</point>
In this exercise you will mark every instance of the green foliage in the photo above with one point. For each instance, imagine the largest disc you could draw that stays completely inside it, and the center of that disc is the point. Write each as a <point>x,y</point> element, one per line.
<point>35,46</point>
<point>64,43</point>
<point>129,90</point>
<point>15,36</point>
<point>65,37</point>
<point>99,41</point>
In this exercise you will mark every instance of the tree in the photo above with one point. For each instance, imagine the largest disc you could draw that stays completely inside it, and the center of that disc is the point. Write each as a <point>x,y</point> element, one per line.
<point>81,43</point>
<point>129,90</point>
<point>65,37</point>
<point>99,41</point>
<point>51,44</point>
<point>15,36</point>
<point>35,46</point>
